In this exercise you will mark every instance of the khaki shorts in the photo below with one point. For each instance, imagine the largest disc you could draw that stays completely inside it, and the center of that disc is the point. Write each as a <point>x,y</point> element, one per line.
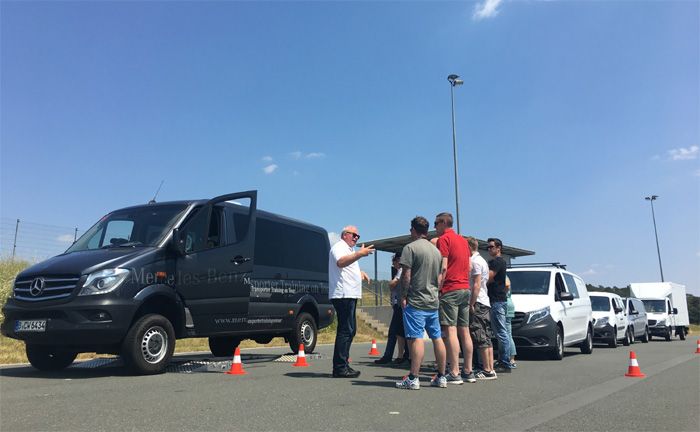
<point>480,326</point>
<point>454,308</point>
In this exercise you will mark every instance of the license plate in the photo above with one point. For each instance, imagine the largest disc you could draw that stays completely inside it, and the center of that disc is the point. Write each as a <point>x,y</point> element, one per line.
<point>30,326</point>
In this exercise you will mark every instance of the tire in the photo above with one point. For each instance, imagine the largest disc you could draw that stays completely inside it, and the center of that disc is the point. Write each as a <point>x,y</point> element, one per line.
<point>681,334</point>
<point>49,358</point>
<point>558,351</point>
<point>149,345</point>
<point>587,345</point>
<point>646,337</point>
<point>305,332</point>
<point>627,340</point>
<point>667,336</point>
<point>223,346</point>
<point>612,343</point>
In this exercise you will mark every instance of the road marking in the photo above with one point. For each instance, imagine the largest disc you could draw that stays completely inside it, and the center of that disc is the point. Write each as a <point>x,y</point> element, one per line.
<point>539,414</point>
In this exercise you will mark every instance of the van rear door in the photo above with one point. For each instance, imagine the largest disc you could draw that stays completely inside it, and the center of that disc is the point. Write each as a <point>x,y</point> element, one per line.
<point>213,276</point>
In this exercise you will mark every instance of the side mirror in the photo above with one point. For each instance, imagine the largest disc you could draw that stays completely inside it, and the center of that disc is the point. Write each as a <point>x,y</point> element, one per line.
<point>177,243</point>
<point>675,311</point>
<point>618,310</point>
<point>566,296</point>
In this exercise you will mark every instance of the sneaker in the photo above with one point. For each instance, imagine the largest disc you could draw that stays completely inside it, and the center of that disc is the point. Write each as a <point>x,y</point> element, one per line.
<point>469,377</point>
<point>382,360</point>
<point>408,383</point>
<point>454,379</point>
<point>400,360</point>
<point>486,376</point>
<point>439,381</point>
<point>503,368</point>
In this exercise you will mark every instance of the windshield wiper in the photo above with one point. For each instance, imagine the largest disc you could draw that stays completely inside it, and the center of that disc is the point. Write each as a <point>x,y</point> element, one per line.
<point>127,244</point>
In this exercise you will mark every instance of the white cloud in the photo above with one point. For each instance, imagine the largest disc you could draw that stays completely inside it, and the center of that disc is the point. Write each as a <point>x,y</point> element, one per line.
<point>486,9</point>
<point>333,238</point>
<point>65,238</point>
<point>270,169</point>
<point>267,159</point>
<point>589,272</point>
<point>684,153</point>
<point>315,155</point>
<point>296,154</point>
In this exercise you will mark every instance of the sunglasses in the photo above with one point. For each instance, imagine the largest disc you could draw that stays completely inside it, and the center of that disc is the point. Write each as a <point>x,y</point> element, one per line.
<point>355,236</point>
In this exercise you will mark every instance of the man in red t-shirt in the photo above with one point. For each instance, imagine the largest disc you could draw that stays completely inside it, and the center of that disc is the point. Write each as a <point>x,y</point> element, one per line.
<point>454,298</point>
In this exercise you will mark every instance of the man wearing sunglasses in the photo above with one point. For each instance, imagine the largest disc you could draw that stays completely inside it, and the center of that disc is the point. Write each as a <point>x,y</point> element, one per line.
<point>344,288</point>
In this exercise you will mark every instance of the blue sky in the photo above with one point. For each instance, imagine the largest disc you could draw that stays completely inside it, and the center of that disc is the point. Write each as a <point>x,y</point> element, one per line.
<point>339,112</point>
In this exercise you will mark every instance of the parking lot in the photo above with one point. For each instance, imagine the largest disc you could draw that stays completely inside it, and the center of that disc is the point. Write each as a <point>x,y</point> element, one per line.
<point>581,392</point>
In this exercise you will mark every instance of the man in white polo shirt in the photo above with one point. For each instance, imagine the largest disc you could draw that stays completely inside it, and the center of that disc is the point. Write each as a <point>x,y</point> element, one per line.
<point>344,288</point>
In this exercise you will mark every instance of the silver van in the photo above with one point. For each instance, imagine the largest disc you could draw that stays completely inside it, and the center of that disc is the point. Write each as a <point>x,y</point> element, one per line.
<point>637,317</point>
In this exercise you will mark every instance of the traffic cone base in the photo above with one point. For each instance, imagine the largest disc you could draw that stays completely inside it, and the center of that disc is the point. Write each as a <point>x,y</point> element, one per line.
<point>301,358</point>
<point>374,351</point>
<point>633,370</point>
<point>236,365</point>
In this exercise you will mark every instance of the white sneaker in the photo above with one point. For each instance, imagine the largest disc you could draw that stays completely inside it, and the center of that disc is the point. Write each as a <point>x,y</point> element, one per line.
<point>409,384</point>
<point>439,381</point>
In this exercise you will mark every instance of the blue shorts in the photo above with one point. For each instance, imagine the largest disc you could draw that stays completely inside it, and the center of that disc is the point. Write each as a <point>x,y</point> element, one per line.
<point>417,320</point>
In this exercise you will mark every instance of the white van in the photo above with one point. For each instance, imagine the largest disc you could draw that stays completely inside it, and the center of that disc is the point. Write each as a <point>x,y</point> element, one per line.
<point>637,317</point>
<point>610,316</point>
<point>552,309</point>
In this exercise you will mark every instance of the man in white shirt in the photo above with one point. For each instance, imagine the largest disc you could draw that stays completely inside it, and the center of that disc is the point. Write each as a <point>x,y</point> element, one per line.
<point>344,288</point>
<point>480,322</point>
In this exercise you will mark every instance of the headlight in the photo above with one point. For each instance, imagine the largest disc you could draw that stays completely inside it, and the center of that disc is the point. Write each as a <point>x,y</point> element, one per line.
<point>601,322</point>
<point>538,315</point>
<point>104,281</point>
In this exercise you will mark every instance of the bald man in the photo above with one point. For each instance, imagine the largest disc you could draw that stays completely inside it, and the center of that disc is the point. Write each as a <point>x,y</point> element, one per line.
<point>344,288</point>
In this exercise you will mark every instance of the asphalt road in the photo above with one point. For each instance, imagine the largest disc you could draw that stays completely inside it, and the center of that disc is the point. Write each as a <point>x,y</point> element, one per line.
<point>581,392</point>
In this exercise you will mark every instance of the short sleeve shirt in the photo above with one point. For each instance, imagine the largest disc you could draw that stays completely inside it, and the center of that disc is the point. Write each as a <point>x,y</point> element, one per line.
<point>343,282</point>
<point>497,288</point>
<point>424,260</point>
<point>455,248</point>
<point>479,266</point>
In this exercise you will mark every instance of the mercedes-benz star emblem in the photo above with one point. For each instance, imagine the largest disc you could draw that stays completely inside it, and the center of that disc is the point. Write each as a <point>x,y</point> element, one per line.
<point>37,286</point>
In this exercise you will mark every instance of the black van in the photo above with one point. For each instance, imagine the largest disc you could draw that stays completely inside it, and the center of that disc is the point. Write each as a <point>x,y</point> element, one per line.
<point>144,276</point>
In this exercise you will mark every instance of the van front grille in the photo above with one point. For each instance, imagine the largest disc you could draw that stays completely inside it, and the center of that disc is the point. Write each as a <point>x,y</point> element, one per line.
<point>518,320</point>
<point>42,288</point>
<point>652,322</point>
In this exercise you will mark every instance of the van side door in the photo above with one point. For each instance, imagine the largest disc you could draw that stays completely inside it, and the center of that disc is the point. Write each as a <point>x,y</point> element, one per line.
<point>565,308</point>
<point>577,310</point>
<point>213,276</point>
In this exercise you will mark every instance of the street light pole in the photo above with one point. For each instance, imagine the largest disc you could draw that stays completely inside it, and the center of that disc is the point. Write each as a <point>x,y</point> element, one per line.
<point>651,199</point>
<point>455,81</point>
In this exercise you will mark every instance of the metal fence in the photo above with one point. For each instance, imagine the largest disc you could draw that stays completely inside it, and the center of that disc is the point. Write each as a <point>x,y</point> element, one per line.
<point>31,241</point>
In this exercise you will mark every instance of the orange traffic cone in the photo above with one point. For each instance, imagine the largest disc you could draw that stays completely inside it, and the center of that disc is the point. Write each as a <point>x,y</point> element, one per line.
<point>301,357</point>
<point>697,351</point>
<point>236,366</point>
<point>374,351</point>
<point>633,370</point>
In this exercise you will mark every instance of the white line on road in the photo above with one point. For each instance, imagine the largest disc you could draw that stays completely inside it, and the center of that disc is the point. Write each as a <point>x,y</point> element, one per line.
<point>539,414</point>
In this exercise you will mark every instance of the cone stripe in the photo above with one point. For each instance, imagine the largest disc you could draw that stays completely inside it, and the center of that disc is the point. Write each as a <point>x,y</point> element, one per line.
<point>633,362</point>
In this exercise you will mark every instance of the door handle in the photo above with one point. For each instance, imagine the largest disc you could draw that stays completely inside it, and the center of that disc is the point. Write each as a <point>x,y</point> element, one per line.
<point>239,260</point>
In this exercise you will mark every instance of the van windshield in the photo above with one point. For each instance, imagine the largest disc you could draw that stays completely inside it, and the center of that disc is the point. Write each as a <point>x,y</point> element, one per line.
<point>135,227</point>
<point>529,282</point>
<point>655,306</point>
<point>600,304</point>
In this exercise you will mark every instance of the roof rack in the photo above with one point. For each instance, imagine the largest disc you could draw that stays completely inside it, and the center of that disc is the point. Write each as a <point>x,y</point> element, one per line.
<point>526,265</point>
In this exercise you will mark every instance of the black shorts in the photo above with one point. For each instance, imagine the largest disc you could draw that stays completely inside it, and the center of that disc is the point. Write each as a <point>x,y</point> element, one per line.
<point>480,326</point>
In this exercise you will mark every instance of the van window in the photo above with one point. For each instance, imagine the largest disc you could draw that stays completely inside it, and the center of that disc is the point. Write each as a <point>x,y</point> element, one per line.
<point>571,285</point>
<point>238,218</point>
<point>654,306</point>
<point>600,303</point>
<point>136,226</point>
<point>201,232</point>
<point>529,282</point>
<point>630,306</point>
<point>282,245</point>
